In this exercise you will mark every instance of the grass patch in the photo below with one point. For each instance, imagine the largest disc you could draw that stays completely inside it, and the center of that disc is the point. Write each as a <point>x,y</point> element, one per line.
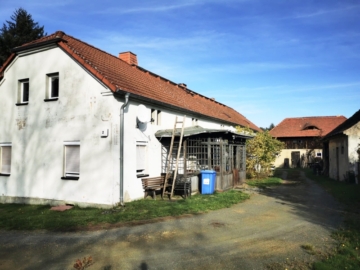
<point>344,192</point>
<point>347,253</point>
<point>40,217</point>
<point>267,182</point>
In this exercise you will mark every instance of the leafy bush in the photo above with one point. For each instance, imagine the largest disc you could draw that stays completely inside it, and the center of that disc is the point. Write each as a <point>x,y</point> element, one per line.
<point>261,152</point>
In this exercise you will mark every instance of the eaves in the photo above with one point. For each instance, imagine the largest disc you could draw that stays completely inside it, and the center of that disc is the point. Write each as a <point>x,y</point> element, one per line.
<point>175,109</point>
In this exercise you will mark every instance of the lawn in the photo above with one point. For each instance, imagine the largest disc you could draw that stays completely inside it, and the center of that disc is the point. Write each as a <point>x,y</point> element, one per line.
<point>40,217</point>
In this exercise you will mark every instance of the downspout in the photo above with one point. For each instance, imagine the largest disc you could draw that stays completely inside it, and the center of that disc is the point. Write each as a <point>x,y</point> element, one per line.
<point>122,109</point>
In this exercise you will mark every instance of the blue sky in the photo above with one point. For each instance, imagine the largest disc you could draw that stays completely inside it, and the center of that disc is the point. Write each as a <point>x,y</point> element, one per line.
<point>266,59</point>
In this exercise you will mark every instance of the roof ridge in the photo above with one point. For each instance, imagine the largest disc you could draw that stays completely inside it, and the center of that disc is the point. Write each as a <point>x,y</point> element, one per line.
<point>140,68</point>
<point>92,46</point>
<point>303,117</point>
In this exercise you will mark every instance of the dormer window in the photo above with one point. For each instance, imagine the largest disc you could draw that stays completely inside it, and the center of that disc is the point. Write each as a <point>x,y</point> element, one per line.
<point>309,126</point>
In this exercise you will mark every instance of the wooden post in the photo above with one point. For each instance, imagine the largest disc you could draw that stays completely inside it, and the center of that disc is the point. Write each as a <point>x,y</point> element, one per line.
<point>184,157</point>
<point>209,153</point>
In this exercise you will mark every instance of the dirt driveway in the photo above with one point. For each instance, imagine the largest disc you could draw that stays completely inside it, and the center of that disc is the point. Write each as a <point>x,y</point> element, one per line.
<point>267,231</point>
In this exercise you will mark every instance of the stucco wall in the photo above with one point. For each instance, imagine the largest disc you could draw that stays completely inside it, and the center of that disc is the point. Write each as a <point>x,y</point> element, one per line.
<point>286,153</point>
<point>338,166</point>
<point>37,132</point>
<point>353,134</point>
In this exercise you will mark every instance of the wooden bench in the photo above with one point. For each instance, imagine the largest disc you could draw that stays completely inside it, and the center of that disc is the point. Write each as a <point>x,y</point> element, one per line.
<point>152,184</point>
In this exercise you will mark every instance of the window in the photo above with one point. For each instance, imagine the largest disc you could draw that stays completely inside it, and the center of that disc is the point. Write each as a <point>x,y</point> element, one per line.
<point>155,117</point>
<point>158,117</point>
<point>52,87</point>
<point>71,160</point>
<point>5,159</point>
<point>23,92</point>
<point>141,159</point>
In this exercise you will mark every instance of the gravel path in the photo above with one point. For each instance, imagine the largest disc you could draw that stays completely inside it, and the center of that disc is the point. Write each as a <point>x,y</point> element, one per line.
<point>266,231</point>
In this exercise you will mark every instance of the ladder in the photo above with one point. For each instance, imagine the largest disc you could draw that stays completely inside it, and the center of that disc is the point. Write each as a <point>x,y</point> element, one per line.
<point>169,157</point>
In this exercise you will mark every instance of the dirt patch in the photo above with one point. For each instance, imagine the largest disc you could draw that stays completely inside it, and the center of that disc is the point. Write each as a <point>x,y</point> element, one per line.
<point>217,224</point>
<point>269,231</point>
<point>61,208</point>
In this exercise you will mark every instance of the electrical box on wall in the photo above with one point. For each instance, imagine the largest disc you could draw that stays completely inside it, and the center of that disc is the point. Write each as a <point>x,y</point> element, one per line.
<point>104,132</point>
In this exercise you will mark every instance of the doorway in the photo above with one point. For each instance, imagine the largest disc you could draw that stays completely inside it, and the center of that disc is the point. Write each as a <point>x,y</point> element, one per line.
<point>295,159</point>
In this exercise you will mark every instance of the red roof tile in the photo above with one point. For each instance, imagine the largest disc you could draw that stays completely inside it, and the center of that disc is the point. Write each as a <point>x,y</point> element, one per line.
<point>117,74</point>
<point>306,126</point>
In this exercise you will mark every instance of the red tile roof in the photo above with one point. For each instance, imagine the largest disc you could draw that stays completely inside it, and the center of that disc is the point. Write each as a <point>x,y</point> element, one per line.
<point>306,126</point>
<point>117,74</point>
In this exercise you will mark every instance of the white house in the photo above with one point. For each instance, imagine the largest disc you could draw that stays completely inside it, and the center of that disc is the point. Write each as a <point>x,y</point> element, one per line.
<point>342,150</point>
<point>69,129</point>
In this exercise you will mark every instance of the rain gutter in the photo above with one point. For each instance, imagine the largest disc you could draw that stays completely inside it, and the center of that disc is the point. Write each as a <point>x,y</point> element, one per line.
<point>122,127</point>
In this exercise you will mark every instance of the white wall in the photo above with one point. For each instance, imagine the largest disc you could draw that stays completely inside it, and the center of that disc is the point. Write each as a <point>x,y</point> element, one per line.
<point>353,134</point>
<point>337,169</point>
<point>38,130</point>
<point>286,153</point>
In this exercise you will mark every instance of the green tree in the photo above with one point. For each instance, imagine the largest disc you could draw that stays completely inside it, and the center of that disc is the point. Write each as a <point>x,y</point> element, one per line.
<point>268,128</point>
<point>19,30</point>
<point>261,151</point>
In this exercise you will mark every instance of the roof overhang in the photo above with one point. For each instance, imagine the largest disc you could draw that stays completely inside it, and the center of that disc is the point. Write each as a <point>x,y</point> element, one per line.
<point>197,130</point>
<point>37,45</point>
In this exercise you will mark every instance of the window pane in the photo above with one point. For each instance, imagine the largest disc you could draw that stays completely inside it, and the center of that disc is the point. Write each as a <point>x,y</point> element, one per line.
<point>6,159</point>
<point>72,160</point>
<point>25,86</point>
<point>54,87</point>
<point>140,157</point>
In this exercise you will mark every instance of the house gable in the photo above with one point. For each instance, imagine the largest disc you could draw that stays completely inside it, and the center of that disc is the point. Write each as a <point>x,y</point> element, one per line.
<point>40,130</point>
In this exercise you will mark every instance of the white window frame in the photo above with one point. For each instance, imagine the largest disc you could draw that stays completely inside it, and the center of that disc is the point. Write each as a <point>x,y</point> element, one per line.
<point>158,117</point>
<point>5,169</point>
<point>68,169</point>
<point>49,86</point>
<point>21,89</point>
<point>155,117</point>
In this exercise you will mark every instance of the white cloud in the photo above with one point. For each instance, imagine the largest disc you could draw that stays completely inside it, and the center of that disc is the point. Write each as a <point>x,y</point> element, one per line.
<point>156,7</point>
<point>163,8</point>
<point>322,12</point>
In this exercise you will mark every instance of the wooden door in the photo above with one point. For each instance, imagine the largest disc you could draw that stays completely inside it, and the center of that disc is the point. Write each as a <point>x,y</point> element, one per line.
<point>295,159</point>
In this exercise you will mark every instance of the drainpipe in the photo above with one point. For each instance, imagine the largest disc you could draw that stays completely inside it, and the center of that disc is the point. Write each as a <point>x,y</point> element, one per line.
<point>123,107</point>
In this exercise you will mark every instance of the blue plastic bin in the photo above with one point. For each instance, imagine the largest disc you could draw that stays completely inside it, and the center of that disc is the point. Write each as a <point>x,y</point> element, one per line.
<point>207,184</point>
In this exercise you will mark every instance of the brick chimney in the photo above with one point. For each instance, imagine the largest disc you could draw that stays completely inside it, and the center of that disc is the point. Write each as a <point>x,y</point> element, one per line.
<point>129,58</point>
